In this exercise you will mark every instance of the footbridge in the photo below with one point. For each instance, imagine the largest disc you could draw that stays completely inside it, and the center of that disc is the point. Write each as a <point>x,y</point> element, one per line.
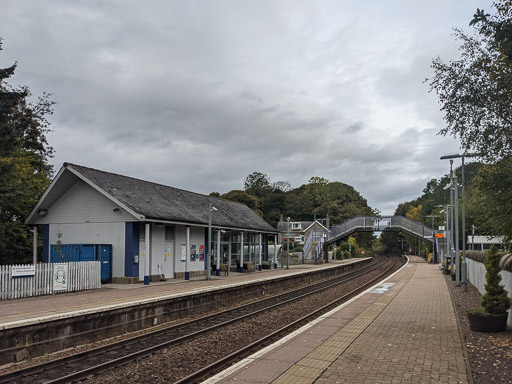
<point>379,224</point>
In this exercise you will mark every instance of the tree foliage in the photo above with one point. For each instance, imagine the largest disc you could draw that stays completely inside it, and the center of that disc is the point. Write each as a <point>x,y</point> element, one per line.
<point>490,199</point>
<point>475,91</point>
<point>319,197</point>
<point>257,184</point>
<point>24,168</point>
<point>434,195</point>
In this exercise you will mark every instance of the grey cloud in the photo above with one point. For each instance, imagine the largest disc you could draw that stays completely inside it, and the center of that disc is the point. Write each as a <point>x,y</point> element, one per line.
<point>198,95</point>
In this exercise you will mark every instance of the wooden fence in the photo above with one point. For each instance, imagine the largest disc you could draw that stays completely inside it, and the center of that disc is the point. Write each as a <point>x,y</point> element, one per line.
<point>81,275</point>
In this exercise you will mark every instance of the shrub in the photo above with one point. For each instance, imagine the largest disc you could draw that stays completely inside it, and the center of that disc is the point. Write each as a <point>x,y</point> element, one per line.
<point>495,300</point>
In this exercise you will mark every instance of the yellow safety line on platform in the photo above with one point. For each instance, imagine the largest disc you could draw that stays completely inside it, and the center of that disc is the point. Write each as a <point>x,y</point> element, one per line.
<point>307,370</point>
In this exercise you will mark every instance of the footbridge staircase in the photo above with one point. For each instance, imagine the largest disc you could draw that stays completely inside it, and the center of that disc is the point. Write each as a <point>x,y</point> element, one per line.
<point>379,224</point>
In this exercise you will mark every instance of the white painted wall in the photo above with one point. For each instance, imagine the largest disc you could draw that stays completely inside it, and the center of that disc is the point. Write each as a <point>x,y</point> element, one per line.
<point>94,233</point>
<point>83,204</point>
<point>162,253</point>
<point>197,236</point>
<point>476,275</point>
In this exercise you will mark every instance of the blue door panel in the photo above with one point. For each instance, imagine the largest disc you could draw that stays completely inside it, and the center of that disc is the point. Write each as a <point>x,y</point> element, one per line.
<point>87,253</point>
<point>67,253</point>
<point>105,254</point>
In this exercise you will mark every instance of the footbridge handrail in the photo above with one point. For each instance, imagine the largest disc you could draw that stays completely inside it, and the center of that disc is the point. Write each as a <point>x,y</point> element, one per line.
<point>377,224</point>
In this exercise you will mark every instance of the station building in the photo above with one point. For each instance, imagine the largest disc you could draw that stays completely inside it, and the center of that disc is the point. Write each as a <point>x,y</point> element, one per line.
<point>141,230</point>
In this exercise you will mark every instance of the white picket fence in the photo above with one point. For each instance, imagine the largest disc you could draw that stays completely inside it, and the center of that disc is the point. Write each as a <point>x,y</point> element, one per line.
<point>82,275</point>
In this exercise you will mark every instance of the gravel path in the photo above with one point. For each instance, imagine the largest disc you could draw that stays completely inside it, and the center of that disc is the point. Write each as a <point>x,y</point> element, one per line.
<point>489,354</point>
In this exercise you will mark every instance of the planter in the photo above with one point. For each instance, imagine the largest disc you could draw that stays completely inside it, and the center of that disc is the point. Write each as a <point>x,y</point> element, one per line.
<point>483,322</point>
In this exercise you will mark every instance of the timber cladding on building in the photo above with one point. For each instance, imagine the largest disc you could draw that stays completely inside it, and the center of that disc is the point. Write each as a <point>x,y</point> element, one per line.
<point>92,214</point>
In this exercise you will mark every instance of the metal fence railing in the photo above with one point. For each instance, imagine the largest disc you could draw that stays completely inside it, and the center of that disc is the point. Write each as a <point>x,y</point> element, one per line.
<point>379,223</point>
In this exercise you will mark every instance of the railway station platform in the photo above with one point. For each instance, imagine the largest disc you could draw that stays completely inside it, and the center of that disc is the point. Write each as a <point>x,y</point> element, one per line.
<point>401,331</point>
<point>33,310</point>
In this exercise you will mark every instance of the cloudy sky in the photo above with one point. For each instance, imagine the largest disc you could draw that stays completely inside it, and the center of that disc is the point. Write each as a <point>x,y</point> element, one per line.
<point>198,94</point>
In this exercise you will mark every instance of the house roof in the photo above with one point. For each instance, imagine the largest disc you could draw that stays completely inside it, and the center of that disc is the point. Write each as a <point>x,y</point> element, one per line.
<point>282,226</point>
<point>152,201</point>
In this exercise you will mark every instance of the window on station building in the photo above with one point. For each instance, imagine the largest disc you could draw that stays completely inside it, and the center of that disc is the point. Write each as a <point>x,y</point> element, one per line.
<point>295,225</point>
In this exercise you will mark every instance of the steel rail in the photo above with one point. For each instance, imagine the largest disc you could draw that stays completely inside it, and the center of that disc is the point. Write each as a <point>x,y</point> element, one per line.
<point>279,299</point>
<point>234,357</point>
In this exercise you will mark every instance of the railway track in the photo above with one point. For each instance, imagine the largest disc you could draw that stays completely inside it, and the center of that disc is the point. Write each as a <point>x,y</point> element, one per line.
<point>83,365</point>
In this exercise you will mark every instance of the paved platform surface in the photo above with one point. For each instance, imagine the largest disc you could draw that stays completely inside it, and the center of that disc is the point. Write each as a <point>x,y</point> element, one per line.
<point>40,308</point>
<point>404,331</point>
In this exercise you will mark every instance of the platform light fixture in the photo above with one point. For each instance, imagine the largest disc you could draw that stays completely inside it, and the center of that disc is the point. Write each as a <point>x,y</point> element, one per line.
<point>464,262</point>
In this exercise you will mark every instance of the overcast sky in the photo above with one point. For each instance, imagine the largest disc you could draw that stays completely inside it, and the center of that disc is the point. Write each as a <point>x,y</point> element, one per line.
<point>199,94</point>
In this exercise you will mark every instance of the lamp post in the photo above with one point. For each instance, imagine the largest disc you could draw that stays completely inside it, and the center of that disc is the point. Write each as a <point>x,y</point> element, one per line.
<point>433,241</point>
<point>464,262</point>
<point>457,261</point>
<point>208,255</point>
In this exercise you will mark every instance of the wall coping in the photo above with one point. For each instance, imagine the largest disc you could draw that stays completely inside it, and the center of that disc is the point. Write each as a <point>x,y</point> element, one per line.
<point>481,256</point>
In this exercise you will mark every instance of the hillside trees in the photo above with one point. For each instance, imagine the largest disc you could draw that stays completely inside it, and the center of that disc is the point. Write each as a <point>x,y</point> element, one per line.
<point>24,168</point>
<point>318,197</point>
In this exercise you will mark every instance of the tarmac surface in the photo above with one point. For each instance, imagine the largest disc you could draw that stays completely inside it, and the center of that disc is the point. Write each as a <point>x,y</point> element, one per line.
<point>403,331</point>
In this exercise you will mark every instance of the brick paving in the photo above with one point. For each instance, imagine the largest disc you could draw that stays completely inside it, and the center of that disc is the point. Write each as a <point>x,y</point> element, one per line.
<point>405,332</point>
<point>414,340</point>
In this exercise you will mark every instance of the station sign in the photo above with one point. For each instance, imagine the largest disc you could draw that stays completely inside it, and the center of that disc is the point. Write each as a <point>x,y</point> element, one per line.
<point>23,270</point>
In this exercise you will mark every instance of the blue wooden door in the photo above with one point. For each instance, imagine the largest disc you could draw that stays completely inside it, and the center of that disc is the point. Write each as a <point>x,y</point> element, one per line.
<point>104,253</point>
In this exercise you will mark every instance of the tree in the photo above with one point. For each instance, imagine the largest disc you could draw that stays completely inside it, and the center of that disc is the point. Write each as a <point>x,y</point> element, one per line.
<point>282,186</point>
<point>257,184</point>
<point>242,197</point>
<point>475,92</point>
<point>24,168</point>
<point>490,199</point>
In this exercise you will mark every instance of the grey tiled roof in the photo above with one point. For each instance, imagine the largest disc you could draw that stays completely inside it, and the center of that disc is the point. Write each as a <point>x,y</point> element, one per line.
<point>282,226</point>
<point>157,201</point>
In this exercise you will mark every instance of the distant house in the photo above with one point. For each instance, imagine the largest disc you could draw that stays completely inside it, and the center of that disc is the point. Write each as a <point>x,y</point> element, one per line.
<point>127,223</point>
<point>300,232</point>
